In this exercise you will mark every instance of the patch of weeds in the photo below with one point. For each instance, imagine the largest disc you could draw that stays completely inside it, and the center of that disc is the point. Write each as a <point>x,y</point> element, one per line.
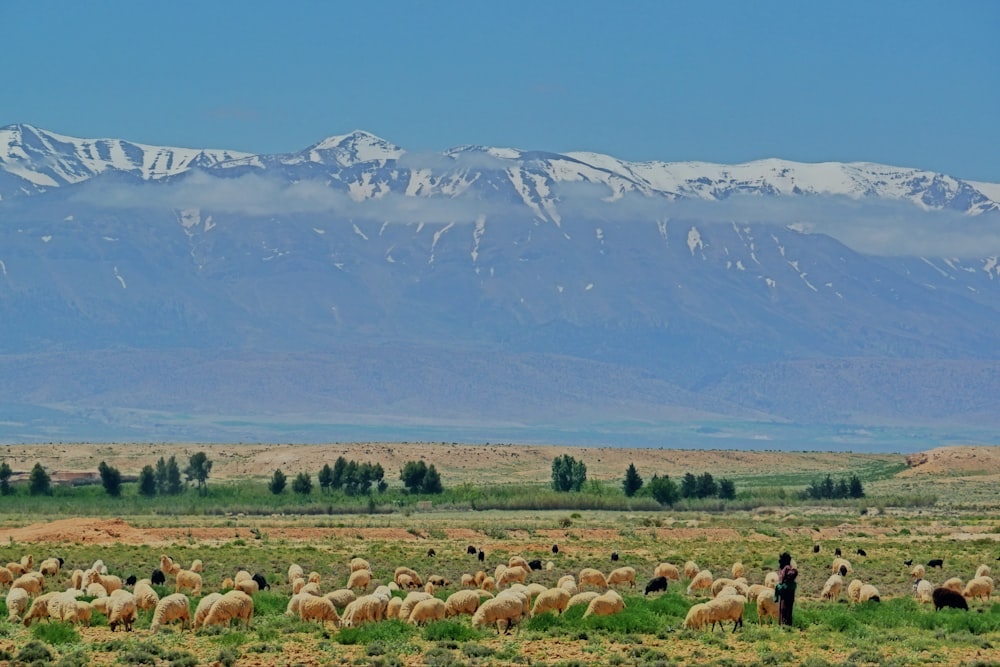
<point>180,659</point>
<point>449,630</point>
<point>144,653</point>
<point>55,633</point>
<point>77,658</point>
<point>391,633</point>
<point>777,658</point>
<point>439,657</point>
<point>227,657</point>
<point>6,655</point>
<point>264,648</point>
<point>34,651</point>
<point>565,522</point>
<point>474,650</point>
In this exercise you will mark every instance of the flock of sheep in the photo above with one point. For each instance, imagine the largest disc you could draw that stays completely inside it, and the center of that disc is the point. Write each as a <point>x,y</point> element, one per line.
<point>500,600</point>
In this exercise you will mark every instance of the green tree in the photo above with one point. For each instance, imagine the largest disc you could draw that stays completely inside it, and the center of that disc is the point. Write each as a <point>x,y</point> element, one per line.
<point>689,485</point>
<point>568,474</point>
<point>161,476</point>
<point>727,489</point>
<point>842,490</point>
<point>352,479</point>
<point>5,473</point>
<point>432,481</point>
<point>111,478</point>
<point>39,482</point>
<point>302,484</point>
<point>174,485</point>
<point>277,483</point>
<point>325,477</point>
<point>827,487</point>
<point>663,490</point>
<point>412,474</point>
<point>147,481</point>
<point>198,468</point>
<point>633,481</point>
<point>337,481</point>
<point>707,486</point>
<point>854,488</point>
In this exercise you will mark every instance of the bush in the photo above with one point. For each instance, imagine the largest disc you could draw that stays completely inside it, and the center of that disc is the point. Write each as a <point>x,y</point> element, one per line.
<point>55,633</point>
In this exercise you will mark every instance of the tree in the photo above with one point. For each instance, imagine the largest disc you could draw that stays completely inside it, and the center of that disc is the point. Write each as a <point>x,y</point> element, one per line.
<point>432,481</point>
<point>302,484</point>
<point>147,481</point>
<point>173,485</point>
<point>325,477</point>
<point>855,490</point>
<point>277,483</point>
<point>39,482</point>
<point>111,478</point>
<point>5,473</point>
<point>161,476</point>
<point>412,474</point>
<point>352,478</point>
<point>337,481</point>
<point>841,490</point>
<point>633,482</point>
<point>706,486</point>
<point>568,474</point>
<point>198,468</point>
<point>689,485</point>
<point>727,489</point>
<point>663,490</point>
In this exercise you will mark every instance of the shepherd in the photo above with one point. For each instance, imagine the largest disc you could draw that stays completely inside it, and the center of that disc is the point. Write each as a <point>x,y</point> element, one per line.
<point>784,592</point>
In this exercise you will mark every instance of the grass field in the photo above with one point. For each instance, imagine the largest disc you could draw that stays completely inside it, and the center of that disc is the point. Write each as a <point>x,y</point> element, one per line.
<point>961,525</point>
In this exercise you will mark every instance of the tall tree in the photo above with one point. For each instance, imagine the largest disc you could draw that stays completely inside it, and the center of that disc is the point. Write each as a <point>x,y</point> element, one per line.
<point>147,481</point>
<point>706,486</point>
<point>277,483</point>
<point>432,481</point>
<point>161,476</point>
<point>855,490</point>
<point>39,482</point>
<point>337,481</point>
<point>325,478</point>
<point>568,474</point>
<point>111,478</point>
<point>302,484</point>
<point>174,485</point>
<point>689,485</point>
<point>412,475</point>
<point>727,489</point>
<point>198,468</point>
<point>632,482</point>
<point>663,490</point>
<point>5,473</point>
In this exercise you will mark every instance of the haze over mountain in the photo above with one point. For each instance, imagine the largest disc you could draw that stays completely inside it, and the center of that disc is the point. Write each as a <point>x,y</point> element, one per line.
<point>153,292</point>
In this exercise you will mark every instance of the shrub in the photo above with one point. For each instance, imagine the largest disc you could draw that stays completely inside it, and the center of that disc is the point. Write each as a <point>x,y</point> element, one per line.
<point>55,633</point>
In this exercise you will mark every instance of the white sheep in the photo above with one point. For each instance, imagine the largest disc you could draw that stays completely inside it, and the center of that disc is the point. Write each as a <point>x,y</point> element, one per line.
<point>410,601</point>
<point>854,590</point>
<point>17,604</point>
<point>838,563</point>
<point>702,581</point>
<point>366,609</point>
<point>50,567</point>
<point>95,590</point>
<point>518,561</point>
<point>295,571</point>
<point>691,569</point>
<point>6,576</point>
<point>174,607</point>
<point>488,584</point>
<point>668,571</point>
<point>924,591</point>
<point>504,609</point>
<point>721,583</point>
<point>247,586</point>
<point>771,579</point>
<point>292,608</point>
<point>84,612</point>
<point>197,565</point>
<point>869,593</point>
<point>983,571</point>
<point>954,584</point>
<point>979,587</point>
<point>341,597</point>
<point>98,566</point>
<point>56,603</point>
<point>312,608</point>
<point>39,608</point>
<point>591,577</point>
<point>242,575</point>
<point>392,609</point>
<point>766,606</point>
<point>737,570</point>
<point>233,605</point>
<point>622,575</point>
<point>314,578</point>
<point>425,611</point>
<point>415,579</point>
<point>145,596</point>
<point>204,606</point>
<point>581,598</point>
<point>360,579</point>
<point>917,572</point>
<point>468,581</point>
<point>29,583</point>
<point>727,608</point>
<point>359,564</point>
<point>697,617</point>
<point>754,590</point>
<point>188,580</point>
<point>832,588</point>
<point>462,602</point>
<point>121,610</point>
<point>605,604</point>
<point>511,575</point>
<point>533,590</point>
<point>15,569</point>
<point>553,599</point>
<point>727,591</point>
<point>167,565</point>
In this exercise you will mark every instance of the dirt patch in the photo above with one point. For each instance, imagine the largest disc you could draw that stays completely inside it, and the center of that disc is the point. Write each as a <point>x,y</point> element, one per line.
<point>86,531</point>
<point>953,460</point>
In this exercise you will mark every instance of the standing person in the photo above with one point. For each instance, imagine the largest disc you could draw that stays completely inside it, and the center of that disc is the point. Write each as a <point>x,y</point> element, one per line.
<point>785,590</point>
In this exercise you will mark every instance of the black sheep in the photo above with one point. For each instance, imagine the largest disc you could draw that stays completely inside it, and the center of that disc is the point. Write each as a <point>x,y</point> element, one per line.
<point>535,564</point>
<point>158,578</point>
<point>481,556</point>
<point>908,563</point>
<point>836,552</point>
<point>815,548</point>
<point>261,581</point>
<point>936,562</point>
<point>614,556</point>
<point>861,552</point>
<point>843,570</point>
<point>431,553</point>
<point>945,597</point>
<point>130,580</point>
<point>471,550</point>
<point>656,584</point>
<point>555,549</point>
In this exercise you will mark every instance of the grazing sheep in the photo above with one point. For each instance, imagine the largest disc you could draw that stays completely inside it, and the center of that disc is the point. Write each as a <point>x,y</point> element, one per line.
<point>701,581</point>
<point>983,571</point>
<point>691,569</point>
<point>471,550</point>
<point>980,587</point>
<point>175,607</point>
<point>56,605</point>
<point>239,606</point>
<point>50,566</point>
<point>84,612</point>
<point>27,562</point>
<point>754,590</point>
<point>771,579</point>
<point>110,582</point>
<point>6,576</point>
<point>312,608</point>
<point>917,572</point>
<point>945,597</point>
<point>121,610</point>
<point>311,589</point>
<point>569,586</point>
<point>292,608</point>
<point>766,606</point>
<point>95,590</point>
<point>462,602</point>
<point>481,556</point>
<point>197,566</point>
<point>839,563</point>
<point>656,584</point>
<point>590,577</point>
<point>721,583</point>
<point>923,591</point>
<point>622,575</point>
<point>727,591</point>
<point>437,580</point>
<point>854,590</point>
<point>727,608</point>
<point>186,579</point>
<point>869,593</point>
<point>582,598</point>
<point>314,578</point>
<point>157,577</point>
<point>954,584</point>
<point>366,609</point>
<point>130,580</point>
<point>506,609</point>
<point>228,583</point>
<point>410,601</point>
<point>832,588</point>
<point>403,581</point>
<point>242,575</point>
<point>17,604</point>
<point>533,590</point>
<point>360,564</point>
<point>248,586</point>
<point>861,552</point>
<point>425,611</point>
<point>551,599</point>
<point>535,564</point>
<point>697,617</point>
<point>39,608</point>
<point>204,606</point>
<point>392,609</point>
<point>468,581</point>
<point>605,604</point>
<point>167,565</point>
<point>415,579</point>
<point>511,575</point>
<point>297,585</point>
<point>29,583</point>
<point>738,570</point>
<point>667,570</point>
<point>614,556</point>
<point>15,569</point>
<point>488,584</point>
<point>295,571</point>
<point>145,596</point>
<point>518,561</point>
<point>341,597</point>
<point>261,581</point>
<point>936,562</point>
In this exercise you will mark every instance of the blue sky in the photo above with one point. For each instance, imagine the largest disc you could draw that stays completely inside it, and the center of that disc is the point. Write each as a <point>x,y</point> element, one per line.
<point>907,83</point>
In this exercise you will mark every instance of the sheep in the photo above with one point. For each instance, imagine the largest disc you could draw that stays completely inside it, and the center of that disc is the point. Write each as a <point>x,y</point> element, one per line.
<point>261,581</point>
<point>50,566</point>
<point>667,570</point>
<point>511,575</point>
<point>954,584</point>
<point>410,601</point>
<point>614,556</point>
<point>28,583</point>
<point>656,584</point>
<point>480,577</point>
<point>16,569</point>
<point>39,608</point>
<point>766,606</point>
<point>551,599</point>
<point>816,548</point>
<point>6,576</point>
<point>297,585</point>
<point>158,578</point>
<point>27,562</point>
<point>737,570</point>
<point>481,556</point>
<point>121,610</point>
<point>204,606</point>
<point>468,581</point>
<point>367,608</point>
<point>983,571</point>
<point>591,577</point>
<point>498,571</point>
<point>314,578</point>
<point>838,563</point>
<point>167,565</point>
<point>359,564</point>
<point>569,586</point>
<point>605,604</point>
<point>697,617</point>
<point>110,582</point>
<point>414,577</point>
<point>869,593</point>
<point>292,608</point>
<point>295,571</point>
<point>130,580</point>
<point>726,591</point>
<point>622,575</point>
<point>518,561</point>
<point>311,588</point>
<point>83,613</point>
<point>691,569</point>
<point>236,605</point>
<point>917,572</point>
<point>701,581</point>
<point>471,550</point>
<point>462,602</point>
<point>936,562</point>
<point>312,608</point>
<point>505,608</point>
<point>721,583</point>
<point>392,609</point>
<point>488,584</point>
<point>854,590</point>
<point>945,597</point>
<point>242,575</point>
<point>555,548</point>
<point>923,591</point>
<point>979,587</point>
<point>188,579</point>
<point>861,552</point>
<point>535,564</point>
<point>341,597</point>
<point>197,566</point>
<point>171,608</point>
<point>582,598</point>
<point>425,611</point>
<point>727,608</point>
<point>429,588</point>
<point>247,586</point>
<point>533,590</point>
<point>771,579</point>
<point>832,587</point>
<point>403,581</point>
<point>437,580</point>
<point>57,603</point>
<point>17,604</point>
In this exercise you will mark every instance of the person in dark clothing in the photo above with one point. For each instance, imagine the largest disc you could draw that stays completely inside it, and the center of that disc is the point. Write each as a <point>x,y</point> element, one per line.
<point>785,590</point>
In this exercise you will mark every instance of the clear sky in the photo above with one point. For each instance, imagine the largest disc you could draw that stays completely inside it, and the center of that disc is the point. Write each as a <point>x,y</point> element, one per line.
<point>908,83</point>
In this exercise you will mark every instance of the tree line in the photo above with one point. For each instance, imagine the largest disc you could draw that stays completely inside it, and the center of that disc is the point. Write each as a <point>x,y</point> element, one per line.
<point>827,489</point>
<point>357,478</point>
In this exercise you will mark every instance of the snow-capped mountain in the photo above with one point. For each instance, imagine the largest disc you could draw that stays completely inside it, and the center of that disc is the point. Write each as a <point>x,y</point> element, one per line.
<point>489,285</point>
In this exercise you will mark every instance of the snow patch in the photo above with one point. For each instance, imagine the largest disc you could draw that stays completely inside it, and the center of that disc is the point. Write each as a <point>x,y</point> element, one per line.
<point>589,287</point>
<point>437,236</point>
<point>3,268</point>
<point>357,230</point>
<point>319,231</point>
<point>477,236</point>
<point>120,278</point>
<point>694,241</point>
<point>991,267</point>
<point>46,238</point>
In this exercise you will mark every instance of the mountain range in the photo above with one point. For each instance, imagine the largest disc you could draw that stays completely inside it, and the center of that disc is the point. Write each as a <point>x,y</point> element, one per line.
<point>355,289</point>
